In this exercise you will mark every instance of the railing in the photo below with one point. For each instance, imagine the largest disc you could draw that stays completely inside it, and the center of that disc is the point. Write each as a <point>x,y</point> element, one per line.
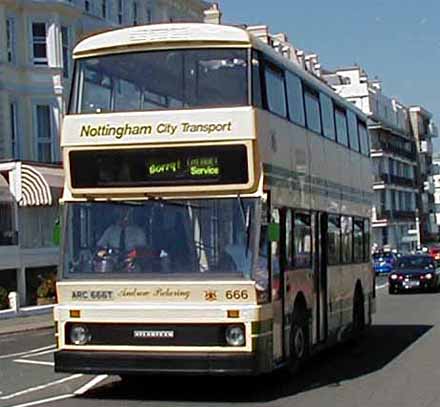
<point>389,148</point>
<point>393,214</point>
<point>394,179</point>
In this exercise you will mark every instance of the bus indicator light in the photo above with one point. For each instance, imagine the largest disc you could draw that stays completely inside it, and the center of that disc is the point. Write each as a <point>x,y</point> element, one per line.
<point>233,313</point>
<point>75,313</point>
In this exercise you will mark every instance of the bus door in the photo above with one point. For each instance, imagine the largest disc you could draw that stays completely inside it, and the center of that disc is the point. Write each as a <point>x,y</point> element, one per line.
<point>320,272</point>
<point>277,283</point>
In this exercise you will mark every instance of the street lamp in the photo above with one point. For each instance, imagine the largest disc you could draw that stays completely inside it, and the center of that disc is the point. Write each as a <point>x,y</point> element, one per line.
<point>419,245</point>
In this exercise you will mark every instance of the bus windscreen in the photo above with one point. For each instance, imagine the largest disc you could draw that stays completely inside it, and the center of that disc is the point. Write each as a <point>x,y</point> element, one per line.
<point>174,166</point>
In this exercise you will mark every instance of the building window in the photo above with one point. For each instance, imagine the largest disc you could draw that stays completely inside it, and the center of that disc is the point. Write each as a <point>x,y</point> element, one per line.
<point>120,12</point>
<point>135,13</point>
<point>10,39</point>
<point>8,236</point>
<point>87,5</point>
<point>44,134</point>
<point>39,43</point>
<point>14,131</point>
<point>65,45</point>
<point>104,8</point>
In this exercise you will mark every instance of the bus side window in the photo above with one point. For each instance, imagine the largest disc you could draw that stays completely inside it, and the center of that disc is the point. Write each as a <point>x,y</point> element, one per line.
<point>275,256</point>
<point>257,99</point>
<point>302,241</point>
<point>334,240</point>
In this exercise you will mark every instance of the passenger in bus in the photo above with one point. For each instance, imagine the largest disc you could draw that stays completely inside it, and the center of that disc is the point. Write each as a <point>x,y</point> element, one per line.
<point>123,235</point>
<point>177,246</point>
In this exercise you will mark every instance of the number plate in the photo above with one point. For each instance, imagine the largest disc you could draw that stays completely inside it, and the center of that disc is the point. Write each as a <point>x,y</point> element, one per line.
<point>412,284</point>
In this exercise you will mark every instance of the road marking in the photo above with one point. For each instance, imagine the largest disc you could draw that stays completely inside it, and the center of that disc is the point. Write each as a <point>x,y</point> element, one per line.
<point>78,392</point>
<point>13,355</point>
<point>34,362</point>
<point>43,401</point>
<point>44,352</point>
<point>90,384</point>
<point>378,287</point>
<point>40,387</point>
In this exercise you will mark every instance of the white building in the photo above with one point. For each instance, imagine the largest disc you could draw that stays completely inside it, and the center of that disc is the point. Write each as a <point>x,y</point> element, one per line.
<point>36,40</point>
<point>400,150</point>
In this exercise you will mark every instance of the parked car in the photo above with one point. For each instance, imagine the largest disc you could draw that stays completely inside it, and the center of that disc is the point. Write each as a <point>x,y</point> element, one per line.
<point>418,271</point>
<point>383,263</point>
<point>434,252</point>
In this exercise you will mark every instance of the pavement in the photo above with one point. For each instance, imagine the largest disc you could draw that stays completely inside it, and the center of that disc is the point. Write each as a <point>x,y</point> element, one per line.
<point>26,323</point>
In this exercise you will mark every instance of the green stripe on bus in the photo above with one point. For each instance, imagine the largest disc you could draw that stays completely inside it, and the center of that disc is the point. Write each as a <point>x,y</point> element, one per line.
<point>292,180</point>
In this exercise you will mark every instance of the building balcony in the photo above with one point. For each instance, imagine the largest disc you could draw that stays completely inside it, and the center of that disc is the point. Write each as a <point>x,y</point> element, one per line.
<point>395,215</point>
<point>394,179</point>
<point>390,149</point>
<point>426,147</point>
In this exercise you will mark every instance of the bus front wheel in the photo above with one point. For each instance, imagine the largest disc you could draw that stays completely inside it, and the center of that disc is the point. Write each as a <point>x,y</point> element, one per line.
<point>299,342</point>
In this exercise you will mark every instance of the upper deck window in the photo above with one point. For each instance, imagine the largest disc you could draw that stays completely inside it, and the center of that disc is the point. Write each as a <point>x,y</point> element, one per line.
<point>295,99</point>
<point>160,80</point>
<point>328,116</point>
<point>313,114</point>
<point>275,91</point>
<point>364,138</point>
<point>353,130</point>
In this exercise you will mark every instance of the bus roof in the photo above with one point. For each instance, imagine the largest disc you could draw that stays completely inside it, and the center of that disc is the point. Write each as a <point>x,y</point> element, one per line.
<point>163,33</point>
<point>159,35</point>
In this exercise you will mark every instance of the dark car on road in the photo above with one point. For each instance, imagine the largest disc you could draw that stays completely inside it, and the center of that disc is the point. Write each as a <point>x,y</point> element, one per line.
<point>383,263</point>
<point>414,272</point>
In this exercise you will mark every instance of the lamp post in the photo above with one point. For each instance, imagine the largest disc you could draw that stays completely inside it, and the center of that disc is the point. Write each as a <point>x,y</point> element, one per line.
<point>418,229</point>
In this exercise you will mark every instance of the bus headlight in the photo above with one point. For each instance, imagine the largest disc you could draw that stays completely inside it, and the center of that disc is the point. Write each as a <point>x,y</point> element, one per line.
<point>80,335</point>
<point>235,335</point>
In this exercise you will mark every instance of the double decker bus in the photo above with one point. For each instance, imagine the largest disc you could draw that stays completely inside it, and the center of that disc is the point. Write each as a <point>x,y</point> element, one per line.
<point>216,207</point>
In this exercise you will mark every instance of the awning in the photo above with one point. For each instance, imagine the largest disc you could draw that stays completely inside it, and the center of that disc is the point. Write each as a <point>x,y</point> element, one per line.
<point>35,190</point>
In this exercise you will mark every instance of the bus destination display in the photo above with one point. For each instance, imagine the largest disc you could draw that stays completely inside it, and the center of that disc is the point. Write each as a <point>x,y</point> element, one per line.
<point>200,167</point>
<point>159,166</point>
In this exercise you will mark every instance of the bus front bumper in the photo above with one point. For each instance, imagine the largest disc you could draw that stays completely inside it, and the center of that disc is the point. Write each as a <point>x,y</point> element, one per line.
<point>126,363</point>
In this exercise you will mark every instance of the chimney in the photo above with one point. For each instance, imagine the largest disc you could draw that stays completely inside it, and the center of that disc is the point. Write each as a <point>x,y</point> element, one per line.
<point>260,31</point>
<point>213,15</point>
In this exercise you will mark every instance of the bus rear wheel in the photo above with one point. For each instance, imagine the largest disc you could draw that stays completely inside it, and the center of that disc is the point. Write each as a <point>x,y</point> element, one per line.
<point>299,342</point>
<point>358,314</point>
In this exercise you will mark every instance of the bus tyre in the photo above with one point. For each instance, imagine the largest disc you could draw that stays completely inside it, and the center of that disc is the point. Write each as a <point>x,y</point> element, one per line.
<point>358,314</point>
<point>299,342</point>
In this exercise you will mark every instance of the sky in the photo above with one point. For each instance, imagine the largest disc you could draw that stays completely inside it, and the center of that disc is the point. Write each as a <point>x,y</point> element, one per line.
<point>395,41</point>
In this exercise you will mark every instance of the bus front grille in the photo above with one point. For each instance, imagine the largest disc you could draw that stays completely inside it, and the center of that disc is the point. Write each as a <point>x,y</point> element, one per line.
<point>120,334</point>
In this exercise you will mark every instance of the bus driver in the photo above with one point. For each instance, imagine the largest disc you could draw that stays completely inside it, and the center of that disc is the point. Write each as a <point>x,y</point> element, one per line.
<point>123,235</point>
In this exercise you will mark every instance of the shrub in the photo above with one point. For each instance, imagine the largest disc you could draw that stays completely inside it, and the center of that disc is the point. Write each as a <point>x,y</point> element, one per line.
<point>47,287</point>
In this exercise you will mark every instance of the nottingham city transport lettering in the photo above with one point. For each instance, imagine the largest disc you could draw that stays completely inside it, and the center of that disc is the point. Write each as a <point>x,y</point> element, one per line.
<point>167,129</point>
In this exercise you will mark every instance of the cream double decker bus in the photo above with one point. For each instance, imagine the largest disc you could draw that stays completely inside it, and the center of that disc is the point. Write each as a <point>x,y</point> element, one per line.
<point>217,206</point>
